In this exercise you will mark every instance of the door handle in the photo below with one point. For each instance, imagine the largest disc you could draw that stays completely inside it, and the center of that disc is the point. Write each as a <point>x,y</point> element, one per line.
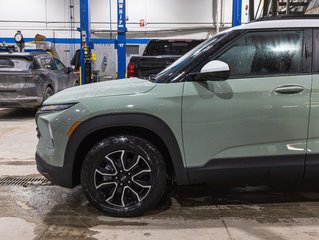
<point>289,89</point>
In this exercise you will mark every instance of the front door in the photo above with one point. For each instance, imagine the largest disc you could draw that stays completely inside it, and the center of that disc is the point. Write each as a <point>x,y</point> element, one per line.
<point>62,75</point>
<point>253,125</point>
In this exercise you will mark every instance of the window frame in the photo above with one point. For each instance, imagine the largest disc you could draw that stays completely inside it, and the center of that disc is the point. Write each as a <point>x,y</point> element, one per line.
<point>180,75</point>
<point>306,56</point>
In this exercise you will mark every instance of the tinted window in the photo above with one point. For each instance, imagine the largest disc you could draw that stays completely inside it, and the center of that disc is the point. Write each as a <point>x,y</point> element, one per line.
<point>14,64</point>
<point>52,64</point>
<point>48,63</point>
<point>59,65</point>
<point>316,51</point>
<point>265,53</point>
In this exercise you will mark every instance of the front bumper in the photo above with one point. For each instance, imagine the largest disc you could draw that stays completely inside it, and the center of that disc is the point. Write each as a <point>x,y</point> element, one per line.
<point>25,102</point>
<point>61,176</point>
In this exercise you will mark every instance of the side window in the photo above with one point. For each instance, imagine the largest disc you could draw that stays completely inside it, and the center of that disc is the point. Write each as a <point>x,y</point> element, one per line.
<point>48,63</point>
<point>59,65</point>
<point>265,53</point>
<point>316,51</point>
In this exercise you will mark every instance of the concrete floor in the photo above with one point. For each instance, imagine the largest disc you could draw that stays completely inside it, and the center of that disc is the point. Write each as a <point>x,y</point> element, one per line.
<point>51,212</point>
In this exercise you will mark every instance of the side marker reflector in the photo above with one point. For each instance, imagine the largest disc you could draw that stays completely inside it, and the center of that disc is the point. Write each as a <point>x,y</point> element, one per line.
<point>72,128</point>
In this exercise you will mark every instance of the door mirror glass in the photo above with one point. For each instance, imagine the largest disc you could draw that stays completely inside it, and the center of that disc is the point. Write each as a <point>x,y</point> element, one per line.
<point>213,71</point>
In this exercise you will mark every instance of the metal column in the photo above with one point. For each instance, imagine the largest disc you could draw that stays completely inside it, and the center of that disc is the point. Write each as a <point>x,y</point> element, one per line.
<point>274,8</point>
<point>121,38</point>
<point>251,10</point>
<point>85,30</point>
<point>265,8</point>
<point>237,9</point>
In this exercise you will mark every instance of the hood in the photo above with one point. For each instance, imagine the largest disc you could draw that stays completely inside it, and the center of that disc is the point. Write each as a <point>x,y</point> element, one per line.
<point>102,89</point>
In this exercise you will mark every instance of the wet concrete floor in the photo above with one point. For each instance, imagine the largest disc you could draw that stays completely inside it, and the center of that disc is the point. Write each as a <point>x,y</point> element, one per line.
<point>51,212</point>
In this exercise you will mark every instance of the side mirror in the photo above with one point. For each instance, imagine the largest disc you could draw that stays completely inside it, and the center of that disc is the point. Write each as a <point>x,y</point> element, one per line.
<point>69,70</point>
<point>213,71</point>
<point>32,66</point>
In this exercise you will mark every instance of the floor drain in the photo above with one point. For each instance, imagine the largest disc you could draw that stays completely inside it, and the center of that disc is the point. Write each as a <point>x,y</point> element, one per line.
<point>24,181</point>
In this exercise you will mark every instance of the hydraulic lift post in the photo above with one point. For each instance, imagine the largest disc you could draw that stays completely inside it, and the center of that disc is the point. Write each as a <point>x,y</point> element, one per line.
<point>237,12</point>
<point>251,10</point>
<point>265,8</point>
<point>86,43</point>
<point>120,44</point>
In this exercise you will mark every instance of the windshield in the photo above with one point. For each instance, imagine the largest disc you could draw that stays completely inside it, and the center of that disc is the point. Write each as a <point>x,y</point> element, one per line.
<point>204,46</point>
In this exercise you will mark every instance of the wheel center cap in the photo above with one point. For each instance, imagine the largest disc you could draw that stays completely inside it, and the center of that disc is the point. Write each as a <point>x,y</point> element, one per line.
<point>123,178</point>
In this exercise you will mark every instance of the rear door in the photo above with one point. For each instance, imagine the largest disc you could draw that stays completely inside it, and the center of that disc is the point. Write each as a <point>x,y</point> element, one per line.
<point>64,77</point>
<point>47,63</point>
<point>312,159</point>
<point>254,125</point>
<point>54,72</point>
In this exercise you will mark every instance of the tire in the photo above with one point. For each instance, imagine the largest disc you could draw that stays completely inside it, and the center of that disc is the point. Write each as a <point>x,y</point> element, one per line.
<point>124,176</point>
<point>47,93</point>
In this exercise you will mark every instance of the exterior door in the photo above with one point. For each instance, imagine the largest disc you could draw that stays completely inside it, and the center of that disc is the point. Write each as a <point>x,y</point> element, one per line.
<point>312,159</point>
<point>49,63</point>
<point>57,72</point>
<point>253,125</point>
<point>62,73</point>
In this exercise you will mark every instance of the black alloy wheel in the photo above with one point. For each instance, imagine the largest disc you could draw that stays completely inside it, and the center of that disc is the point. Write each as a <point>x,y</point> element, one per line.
<point>124,175</point>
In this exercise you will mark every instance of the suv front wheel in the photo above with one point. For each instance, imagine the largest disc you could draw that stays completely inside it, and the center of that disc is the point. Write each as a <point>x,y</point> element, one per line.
<point>124,175</point>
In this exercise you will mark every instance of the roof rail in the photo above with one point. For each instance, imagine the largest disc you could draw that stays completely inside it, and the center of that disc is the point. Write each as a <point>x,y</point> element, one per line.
<point>287,17</point>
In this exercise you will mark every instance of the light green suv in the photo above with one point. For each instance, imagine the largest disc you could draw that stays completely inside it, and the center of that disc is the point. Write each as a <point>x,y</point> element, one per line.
<point>240,108</point>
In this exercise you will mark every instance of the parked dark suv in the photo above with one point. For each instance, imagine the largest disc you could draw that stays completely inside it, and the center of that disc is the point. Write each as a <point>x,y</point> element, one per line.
<point>27,79</point>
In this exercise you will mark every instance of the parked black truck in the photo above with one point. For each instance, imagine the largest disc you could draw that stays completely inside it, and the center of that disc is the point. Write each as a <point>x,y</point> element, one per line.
<point>159,54</point>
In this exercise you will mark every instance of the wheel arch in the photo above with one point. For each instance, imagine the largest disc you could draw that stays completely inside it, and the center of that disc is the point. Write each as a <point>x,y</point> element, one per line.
<point>147,126</point>
<point>46,80</point>
<point>49,85</point>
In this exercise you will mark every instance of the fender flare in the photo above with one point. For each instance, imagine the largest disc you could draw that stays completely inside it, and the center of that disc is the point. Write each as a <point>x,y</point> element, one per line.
<point>46,80</point>
<point>146,121</point>
<point>49,83</point>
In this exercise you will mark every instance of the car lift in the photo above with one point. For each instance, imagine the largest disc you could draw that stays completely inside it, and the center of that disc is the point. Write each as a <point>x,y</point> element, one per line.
<point>120,43</point>
<point>237,12</point>
<point>87,44</point>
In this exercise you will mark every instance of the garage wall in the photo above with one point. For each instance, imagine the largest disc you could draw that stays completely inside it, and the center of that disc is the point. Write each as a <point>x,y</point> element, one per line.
<point>196,18</point>
<point>157,14</point>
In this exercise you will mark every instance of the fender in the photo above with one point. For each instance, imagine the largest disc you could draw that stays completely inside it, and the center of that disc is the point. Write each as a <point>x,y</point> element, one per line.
<point>148,122</point>
<point>48,83</point>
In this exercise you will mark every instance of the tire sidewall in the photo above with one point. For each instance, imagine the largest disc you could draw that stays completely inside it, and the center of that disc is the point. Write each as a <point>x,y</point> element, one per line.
<point>131,143</point>
<point>48,91</point>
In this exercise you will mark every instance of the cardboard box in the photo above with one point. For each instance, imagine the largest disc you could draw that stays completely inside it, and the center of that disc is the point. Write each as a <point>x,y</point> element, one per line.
<point>39,38</point>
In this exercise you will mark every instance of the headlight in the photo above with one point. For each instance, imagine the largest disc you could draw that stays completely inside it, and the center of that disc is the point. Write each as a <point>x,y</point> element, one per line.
<point>55,108</point>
